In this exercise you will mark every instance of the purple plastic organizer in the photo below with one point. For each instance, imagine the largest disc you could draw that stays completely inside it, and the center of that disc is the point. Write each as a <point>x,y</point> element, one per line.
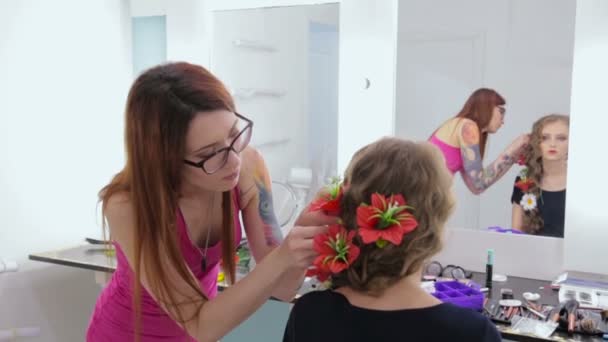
<point>498,229</point>
<point>459,294</point>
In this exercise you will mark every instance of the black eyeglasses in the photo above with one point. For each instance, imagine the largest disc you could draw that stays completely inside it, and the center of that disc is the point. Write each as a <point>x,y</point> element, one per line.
<point>435,269</point>
<point>212,163</point>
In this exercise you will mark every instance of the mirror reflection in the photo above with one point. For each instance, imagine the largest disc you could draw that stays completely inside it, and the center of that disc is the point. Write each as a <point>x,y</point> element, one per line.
<point>474,80</point>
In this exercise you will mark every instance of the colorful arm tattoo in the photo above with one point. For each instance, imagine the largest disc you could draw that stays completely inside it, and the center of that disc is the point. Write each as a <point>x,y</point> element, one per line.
<point>272,231</point>
<point>475,175</point>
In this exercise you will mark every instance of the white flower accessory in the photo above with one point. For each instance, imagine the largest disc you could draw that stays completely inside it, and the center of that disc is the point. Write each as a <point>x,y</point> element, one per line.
<point>528,202</point>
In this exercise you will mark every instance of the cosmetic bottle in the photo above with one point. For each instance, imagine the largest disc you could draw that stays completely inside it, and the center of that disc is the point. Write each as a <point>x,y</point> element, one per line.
<point>489,268</point>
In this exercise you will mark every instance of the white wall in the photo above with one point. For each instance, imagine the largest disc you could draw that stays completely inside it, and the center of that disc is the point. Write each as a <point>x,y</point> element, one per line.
<point>586,215</point>
<point>444,55</point>
<point>368,36</point>
<point>66,69</point>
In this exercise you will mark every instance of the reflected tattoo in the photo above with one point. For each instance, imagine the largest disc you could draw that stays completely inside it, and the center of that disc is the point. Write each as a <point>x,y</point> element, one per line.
<point>272,232</point>
<point>478,177</point>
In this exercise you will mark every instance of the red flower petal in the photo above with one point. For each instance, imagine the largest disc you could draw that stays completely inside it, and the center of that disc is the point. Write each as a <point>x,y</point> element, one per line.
<point>353,254</point>
<point>409,225</point>
<point>369,235</point>
<point>333,230</point>
<point>316,204</point>
<point>379,201</point>
<point>397,198</point>
<point>326,203</point>
<point>524,185</point>
<point>327,262</point>
<point>337,266</point>
<point>393,234</point>
<point>522,159</point>
<point>366,217</point>
<point>320,245</point>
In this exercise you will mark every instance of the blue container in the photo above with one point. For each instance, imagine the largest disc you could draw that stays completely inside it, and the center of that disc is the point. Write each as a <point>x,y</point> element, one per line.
<point>459,294</point>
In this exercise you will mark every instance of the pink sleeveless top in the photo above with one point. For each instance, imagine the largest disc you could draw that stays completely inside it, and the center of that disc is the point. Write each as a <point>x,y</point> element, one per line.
<point>113,316</point>
<point>453,158</point>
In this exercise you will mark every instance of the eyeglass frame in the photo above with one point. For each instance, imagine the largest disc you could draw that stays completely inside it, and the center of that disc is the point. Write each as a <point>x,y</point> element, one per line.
<point>502,110</point>
<point>201,164</point>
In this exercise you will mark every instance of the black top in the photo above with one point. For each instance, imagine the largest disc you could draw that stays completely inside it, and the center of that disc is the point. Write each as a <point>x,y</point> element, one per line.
<point>552,207</point>
<point>327,316</point>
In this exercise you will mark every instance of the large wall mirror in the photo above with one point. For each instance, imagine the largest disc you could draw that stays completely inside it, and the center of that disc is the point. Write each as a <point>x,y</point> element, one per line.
<point>281,64</point>
<point>522,49</point>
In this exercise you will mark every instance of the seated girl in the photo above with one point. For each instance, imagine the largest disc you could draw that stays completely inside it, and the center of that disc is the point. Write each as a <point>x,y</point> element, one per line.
<point>539,194</point>
<point>393,205</point>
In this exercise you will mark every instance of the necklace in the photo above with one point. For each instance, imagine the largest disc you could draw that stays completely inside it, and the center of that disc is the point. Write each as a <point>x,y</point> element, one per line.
<point>204,252</point>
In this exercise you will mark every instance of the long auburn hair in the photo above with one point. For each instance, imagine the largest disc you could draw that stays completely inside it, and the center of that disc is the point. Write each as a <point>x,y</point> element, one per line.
<point>160,106</point>
<point>479,108</point>
<point>416,171</point>
<point>533,221</point>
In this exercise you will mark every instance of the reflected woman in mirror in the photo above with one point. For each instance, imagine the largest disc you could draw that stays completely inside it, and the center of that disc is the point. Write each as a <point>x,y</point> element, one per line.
<point>463,139</point>
<point>539,194</point>
<point>394,202</point>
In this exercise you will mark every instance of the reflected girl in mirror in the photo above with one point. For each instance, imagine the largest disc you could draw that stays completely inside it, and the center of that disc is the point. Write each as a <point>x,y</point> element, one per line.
<point>539,194</point>
<point>463,139</point>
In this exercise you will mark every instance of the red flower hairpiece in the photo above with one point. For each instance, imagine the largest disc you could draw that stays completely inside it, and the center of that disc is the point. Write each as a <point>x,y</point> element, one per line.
<point>524,184</point>
<point>385,220</point>
<point>336,252</point>
<point>329,199</point>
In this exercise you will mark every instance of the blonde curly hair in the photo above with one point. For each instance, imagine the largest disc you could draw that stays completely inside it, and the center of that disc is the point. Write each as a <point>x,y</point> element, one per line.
<point>533,221</point>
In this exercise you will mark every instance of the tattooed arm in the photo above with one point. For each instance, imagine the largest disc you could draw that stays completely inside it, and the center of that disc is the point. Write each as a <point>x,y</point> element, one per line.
<point>261,225</point>
<point>476,177</point>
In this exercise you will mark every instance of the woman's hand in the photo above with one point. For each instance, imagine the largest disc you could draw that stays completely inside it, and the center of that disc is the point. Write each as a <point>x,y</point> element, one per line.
<point>297,245</point>
<point>297,248</point>
<point>519,145</point>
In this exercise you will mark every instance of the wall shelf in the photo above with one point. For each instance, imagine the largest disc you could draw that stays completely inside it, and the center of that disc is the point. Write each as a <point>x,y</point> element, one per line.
<point>253,45</point>
<point>246,93</point>
<point>271,143</point>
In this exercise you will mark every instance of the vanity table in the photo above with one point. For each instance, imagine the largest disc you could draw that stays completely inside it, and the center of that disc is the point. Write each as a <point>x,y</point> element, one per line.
<point>547,296</point>
<point>96,258</point>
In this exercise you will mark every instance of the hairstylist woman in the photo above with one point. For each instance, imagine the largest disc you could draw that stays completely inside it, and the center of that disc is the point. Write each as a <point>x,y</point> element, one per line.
<point>172,213</point>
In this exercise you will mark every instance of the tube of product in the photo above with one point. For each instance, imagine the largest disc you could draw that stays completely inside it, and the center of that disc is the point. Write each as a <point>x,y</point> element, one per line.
<point>489,266</point>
